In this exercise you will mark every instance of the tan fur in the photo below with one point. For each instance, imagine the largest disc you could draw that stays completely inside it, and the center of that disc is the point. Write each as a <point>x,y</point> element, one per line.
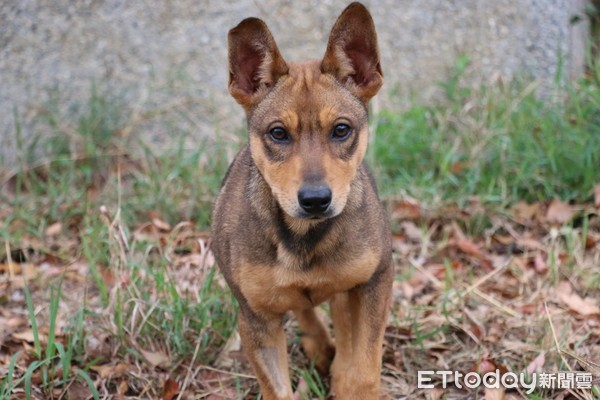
<point>277,258</point>
<point>285,288</point>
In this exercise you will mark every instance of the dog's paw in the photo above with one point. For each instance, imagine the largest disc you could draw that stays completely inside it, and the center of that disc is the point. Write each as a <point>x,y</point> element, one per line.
<point>321,352</point>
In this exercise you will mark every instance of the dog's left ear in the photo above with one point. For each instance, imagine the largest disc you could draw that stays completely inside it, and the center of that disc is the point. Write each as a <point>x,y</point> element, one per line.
<point>352,55</point>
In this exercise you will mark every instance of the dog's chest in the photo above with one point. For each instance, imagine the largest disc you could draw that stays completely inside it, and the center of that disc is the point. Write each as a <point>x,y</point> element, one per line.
<point>288,286</point>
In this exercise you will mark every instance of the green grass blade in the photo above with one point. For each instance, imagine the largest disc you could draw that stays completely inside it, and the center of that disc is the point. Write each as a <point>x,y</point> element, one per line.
<point>65,360</point>
<point>32,320</point>
<point>6,384</point>
<point>94,269</point>
<point>28,375</point>
<point>55,293</point>
<point>84,375</point>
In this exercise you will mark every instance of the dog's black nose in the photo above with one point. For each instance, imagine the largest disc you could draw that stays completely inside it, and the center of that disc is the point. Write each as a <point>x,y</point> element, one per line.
<point>314,199</point>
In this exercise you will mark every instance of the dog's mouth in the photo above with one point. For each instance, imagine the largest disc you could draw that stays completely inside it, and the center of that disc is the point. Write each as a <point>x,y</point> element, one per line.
<point>311,209</point>
<point>298,213</point>
<point>316,217</point>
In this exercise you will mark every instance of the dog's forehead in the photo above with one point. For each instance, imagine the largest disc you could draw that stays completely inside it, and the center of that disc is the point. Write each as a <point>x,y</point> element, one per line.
<point>306,94</point>
<point>304,72</point>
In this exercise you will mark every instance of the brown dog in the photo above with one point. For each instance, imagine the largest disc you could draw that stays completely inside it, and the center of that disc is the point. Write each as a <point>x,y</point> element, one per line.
<point>298,221</point>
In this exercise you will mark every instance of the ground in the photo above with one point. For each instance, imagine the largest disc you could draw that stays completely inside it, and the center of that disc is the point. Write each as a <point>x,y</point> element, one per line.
<point>108,287</point>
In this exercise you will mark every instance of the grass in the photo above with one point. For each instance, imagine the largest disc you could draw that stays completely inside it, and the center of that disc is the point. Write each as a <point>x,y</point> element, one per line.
<point>137,301</point>
<point>46,363</point>
<point>99,194</point>
<point>500,143</point>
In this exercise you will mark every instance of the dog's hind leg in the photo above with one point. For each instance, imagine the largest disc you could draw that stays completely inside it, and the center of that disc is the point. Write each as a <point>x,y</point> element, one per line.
<point>264,344</point>
<point>316,342</point>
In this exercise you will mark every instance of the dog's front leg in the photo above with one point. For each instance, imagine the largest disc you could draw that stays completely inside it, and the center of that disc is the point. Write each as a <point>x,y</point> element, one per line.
<point>263,340</point>
<point>316,341</point>
<point>359,319</point>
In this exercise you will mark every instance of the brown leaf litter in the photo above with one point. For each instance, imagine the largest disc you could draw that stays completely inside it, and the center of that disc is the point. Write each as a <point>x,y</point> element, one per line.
<point>519,294</point>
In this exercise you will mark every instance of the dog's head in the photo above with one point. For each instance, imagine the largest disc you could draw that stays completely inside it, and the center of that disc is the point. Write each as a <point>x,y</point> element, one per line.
<point>307,121</point>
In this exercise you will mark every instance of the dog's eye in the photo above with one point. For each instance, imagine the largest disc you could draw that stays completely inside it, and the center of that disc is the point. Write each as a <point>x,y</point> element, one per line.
<point>279,135</point>
<point>341,132</point>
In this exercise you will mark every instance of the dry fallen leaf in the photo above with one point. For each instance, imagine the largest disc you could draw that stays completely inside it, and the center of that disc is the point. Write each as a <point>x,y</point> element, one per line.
<point>412,231</point>
<point>78,390</point>
<point>27,336</point>
<point>18,270</point>
<point>401,244</point>
<point>529,308</point>
<point>537,364</point>
<point>156,358</point>
<point>111,371</point>
<point>559,213</point>
<point>12,322</point>
<point>564,287</point>
<point>233,345</point>
<point>504,240</point>
<point>9,268</point>
<point>406,209</point>
<point>146,233</point>
<point>528,243</point>
<point>591,240</point>
<point>468,247</point>
<point>581,306</point>
<point>54,229</point>
<point>123,387</point>
<point>597,197</point>
<point>161,224</point>
<point>486,365</point>
<point>525,211</point>
<point>494,394</point>
<point>170,389</point>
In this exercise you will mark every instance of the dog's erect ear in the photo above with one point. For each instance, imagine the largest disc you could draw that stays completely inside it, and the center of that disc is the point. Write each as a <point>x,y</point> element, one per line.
<point>352,55</point>
<point>255,63</point>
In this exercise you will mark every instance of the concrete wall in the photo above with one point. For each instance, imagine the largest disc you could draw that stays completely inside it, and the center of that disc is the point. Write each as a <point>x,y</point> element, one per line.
<point>169,57</point>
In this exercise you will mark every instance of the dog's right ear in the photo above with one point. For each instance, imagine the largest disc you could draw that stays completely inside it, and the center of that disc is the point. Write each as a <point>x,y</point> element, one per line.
<point>255,63</point>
